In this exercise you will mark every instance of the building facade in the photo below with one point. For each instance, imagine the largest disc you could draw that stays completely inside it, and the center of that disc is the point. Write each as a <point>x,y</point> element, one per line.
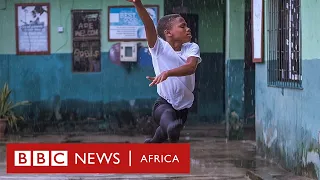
<point>287,86</point>
<point>278,96</point>
<point>101,93</point>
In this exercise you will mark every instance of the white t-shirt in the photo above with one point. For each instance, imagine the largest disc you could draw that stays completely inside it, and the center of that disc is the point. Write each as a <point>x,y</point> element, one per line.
<point>176,90</point>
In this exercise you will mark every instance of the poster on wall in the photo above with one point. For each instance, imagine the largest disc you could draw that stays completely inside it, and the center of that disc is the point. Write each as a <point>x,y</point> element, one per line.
<point>86,41</point>
<point>86,56</point>
<point>258,28</point>
<point>32,28</point>
<point>86,24</point>
<point>124,23</point>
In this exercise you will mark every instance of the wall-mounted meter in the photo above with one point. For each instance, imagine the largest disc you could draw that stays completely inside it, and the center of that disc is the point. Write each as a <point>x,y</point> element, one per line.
<point>128,51</point>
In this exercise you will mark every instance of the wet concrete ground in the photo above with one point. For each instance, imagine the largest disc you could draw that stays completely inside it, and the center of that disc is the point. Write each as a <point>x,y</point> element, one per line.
<point>211,158</point>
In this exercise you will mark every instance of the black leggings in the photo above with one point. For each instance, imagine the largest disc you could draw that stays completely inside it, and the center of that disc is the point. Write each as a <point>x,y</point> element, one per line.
<point>170,121</point>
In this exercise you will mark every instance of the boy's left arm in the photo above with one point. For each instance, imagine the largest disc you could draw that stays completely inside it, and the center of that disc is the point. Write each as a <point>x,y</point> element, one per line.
<point>187,69</point>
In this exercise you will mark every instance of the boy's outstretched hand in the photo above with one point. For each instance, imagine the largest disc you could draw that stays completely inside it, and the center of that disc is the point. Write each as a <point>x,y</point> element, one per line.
<point>156,80</point>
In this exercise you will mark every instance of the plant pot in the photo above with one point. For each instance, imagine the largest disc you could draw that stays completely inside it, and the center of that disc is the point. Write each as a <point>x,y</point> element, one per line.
<point>3,125</point>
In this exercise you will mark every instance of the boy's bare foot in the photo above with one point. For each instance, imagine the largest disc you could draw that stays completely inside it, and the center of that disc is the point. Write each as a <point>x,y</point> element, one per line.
<point>174,130</point>
<point>159,137</point>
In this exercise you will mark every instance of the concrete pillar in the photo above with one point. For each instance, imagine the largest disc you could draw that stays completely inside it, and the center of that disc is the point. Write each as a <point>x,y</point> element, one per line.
<point>234,64</point>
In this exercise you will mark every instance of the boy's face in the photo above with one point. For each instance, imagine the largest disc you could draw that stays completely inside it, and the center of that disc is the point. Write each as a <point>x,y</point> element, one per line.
<point>179,31</point>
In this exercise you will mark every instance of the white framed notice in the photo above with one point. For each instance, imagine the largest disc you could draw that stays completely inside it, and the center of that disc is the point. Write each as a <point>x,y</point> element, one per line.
<point>124,23</point>
<point>257,30</point>
<point>32,28</point>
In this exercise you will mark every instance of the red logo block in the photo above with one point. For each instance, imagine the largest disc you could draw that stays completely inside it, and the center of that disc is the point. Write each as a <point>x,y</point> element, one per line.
<point>98,158</point>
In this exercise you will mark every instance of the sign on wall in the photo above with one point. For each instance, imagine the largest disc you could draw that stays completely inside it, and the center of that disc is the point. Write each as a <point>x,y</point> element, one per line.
<point>257,30</point>
<point>86,41</point>
<point>32,28</point>
<point>124,23</point>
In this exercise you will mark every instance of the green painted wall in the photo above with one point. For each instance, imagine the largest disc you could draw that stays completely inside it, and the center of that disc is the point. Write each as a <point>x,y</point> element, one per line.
<point>49,82</point>
<point>287,120</point>
<point>310,29</point>
<point>236,36</point>
<point>210,74</point>
<point>62,100</point>
<point>211,41</point>
<point>60,16</point>
<point>2,4</point>
<point>211,27</point>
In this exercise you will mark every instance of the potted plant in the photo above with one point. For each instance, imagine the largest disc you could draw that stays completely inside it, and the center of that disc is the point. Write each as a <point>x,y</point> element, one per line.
<point>7,116</point>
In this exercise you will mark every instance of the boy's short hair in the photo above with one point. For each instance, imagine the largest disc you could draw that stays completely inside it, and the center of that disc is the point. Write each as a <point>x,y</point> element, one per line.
<point>165,23</point>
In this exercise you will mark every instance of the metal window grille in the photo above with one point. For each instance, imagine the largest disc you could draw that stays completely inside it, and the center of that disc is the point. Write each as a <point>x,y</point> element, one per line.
<point>284,43</point>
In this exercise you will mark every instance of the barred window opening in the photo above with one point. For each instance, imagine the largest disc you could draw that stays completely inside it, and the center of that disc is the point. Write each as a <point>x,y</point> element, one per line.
<point>283,43</point>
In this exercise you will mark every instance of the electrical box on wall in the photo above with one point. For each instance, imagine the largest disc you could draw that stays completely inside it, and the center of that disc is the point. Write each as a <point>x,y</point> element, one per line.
<point>128,51</point>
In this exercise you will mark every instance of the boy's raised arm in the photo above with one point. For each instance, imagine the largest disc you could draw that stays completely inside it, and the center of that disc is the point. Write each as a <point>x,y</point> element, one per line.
<point>151,32</point>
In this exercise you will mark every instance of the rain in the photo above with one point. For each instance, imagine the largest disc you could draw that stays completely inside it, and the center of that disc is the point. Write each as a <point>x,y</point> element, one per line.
<point>216,84</point>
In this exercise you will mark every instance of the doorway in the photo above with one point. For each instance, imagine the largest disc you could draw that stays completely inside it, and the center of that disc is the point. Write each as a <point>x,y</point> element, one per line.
<point>209,89</point>
<point>193,23</point>
<point>192,20</point>
<point>249,77</point>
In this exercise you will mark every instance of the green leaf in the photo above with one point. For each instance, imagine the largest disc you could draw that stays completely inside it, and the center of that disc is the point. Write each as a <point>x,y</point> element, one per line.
<point>7,106</point>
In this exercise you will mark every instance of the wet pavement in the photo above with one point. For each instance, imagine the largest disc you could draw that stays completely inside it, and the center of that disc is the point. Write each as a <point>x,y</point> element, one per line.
<point>211,158</point>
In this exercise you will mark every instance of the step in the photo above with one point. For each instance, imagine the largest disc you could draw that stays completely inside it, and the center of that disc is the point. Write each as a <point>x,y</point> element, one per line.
<point>203,133</point>
<point>266,173</point>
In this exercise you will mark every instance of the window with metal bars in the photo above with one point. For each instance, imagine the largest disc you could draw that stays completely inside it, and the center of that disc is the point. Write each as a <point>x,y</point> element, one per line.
<point>284,43</point>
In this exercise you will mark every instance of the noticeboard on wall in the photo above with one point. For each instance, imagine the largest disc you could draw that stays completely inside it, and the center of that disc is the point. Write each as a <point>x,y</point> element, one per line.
<point>86,43</point>
<point>257,9</point>
<point>32,28</point>
<point>124,23</point>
